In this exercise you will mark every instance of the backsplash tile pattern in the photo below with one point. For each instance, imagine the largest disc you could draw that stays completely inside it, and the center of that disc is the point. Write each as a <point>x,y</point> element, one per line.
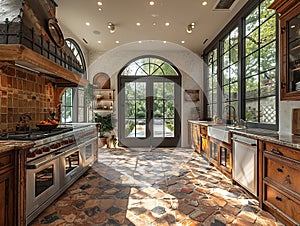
<point>23,91</point>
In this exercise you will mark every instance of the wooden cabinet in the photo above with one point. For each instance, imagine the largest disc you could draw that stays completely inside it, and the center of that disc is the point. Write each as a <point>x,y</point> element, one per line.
<point>281,184</point>
<point>220,155</point>
<point>204,141</point>
<point>104,100</point>
<point>7,196</point>
<point>289,19</point>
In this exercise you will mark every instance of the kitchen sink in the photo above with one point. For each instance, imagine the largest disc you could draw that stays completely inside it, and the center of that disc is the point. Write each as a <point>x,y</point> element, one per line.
<point>221,133</point>
<point>236,127</point>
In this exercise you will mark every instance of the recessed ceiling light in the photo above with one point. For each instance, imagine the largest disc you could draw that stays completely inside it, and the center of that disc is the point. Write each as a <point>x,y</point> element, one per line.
<point>99,42</point>
<point>165,41</point>
<point>167,24</point>
<point>99,3</point>
<point>138,24</point>
<point>140,41</point>
<point>87,24</point>
<point>117,42</point>
<point>204,3</point>
<point>151,3</point>
<point>154,23</point>
<point>182,41</point>
<point>100,9</point>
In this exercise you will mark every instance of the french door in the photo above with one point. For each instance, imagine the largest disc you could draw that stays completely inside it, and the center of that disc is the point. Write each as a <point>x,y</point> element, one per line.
<point>149,111</point>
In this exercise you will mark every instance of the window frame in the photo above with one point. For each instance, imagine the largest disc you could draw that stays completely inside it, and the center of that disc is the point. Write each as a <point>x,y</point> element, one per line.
<point>239,21</point>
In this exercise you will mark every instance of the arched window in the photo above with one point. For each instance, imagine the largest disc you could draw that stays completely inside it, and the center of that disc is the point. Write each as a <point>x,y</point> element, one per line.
<point>77,53</point>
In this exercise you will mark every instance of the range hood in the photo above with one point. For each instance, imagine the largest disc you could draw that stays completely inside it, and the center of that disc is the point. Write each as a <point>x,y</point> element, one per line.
<point>30,38</point>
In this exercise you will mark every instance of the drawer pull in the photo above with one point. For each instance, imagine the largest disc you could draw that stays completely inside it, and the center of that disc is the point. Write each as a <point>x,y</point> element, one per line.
<point>288,179</point>
<point>278,198</point>
<point>2,164</point>
<point>276,152</point>
<point>280,170</point>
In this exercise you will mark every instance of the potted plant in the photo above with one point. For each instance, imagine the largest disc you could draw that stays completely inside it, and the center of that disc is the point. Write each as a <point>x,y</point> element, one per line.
<point>105,122</point>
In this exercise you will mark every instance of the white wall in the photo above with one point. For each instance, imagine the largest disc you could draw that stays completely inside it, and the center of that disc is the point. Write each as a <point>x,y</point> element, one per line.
<point>285,115</point>
<point>189,64</point>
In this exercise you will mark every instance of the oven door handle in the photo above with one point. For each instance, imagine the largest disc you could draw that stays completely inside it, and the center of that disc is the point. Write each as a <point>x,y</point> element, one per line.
<point>38,164</point>
<point>249,143</point>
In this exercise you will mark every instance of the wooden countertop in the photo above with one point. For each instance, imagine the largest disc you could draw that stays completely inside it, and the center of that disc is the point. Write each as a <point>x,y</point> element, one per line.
<point>9,145</point>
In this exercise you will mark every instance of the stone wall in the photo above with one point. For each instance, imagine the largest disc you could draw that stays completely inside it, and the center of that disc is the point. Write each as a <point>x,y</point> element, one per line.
<point>23,91</point>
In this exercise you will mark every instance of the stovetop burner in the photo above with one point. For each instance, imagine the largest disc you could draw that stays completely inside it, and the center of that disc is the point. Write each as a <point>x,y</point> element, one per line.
<point>34,134</point>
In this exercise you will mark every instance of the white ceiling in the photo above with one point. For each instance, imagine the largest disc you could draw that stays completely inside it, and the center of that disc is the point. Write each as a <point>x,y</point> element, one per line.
<point>126,13</point>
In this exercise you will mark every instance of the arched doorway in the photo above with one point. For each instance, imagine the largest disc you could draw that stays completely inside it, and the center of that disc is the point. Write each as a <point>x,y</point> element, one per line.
<point>149,103</point>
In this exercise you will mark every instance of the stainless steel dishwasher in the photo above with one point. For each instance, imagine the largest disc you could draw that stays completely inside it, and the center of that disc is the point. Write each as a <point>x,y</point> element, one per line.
<point>245,162</point>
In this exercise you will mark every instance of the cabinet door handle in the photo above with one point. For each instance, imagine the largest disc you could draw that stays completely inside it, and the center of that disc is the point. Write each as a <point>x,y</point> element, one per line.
<point>276,152</point>
<point>288,179</point>
<point>278,198</point>
<point>279,170</point>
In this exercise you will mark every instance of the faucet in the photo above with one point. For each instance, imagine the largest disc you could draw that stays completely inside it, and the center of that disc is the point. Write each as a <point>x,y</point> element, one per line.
<point>227,108</point>
<point>244,122</point>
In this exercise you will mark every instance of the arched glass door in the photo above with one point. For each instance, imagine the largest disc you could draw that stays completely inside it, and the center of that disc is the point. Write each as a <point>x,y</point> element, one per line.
<point>149,103</point>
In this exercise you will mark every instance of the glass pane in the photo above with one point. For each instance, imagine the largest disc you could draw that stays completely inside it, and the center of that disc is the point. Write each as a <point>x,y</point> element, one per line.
<point>234,54</point>
<point>80,98</point>
<point>234,69</point>
<point>158,109</point>
<point>252,64</point>
<point>140,109</point>
<point>129,90</point>
<point>226,44</point>
<point>225,76</point>
<point>226,93</point>
<point>140,90</point>
<point>129,128</point>
<point>80,114</point>
<point>158,127</point>
<point>268,83</point>
<point>252,42</point>
<point>265,13</point>
<point>209,97</point>
<point>234,91</point>
<point>226,59</point>
<point>140,128</point>
<point>130,109</point>
<point>268,57</point>
<point>169,127</point>
<point>252,110</point>
<point>252,21</point>
<point>234,37</point>
<point>214,97</point>
<point>158,90</point>
<point>268,108</point>
<point>252,87</point>
<point>209,83</point>
<point>169,109</point>
<point>68,114</point>
<point>168,69</point>
<point>169,90</point>
<point>268,31</point>
<point>142,71</point>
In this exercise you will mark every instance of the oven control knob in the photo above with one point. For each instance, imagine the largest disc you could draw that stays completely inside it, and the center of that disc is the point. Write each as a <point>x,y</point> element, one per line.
<point>46,149</point>
<point>31,154</point>
<point>39,151</point>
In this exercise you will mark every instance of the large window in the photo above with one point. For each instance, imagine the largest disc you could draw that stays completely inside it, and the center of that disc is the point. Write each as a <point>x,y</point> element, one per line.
<point>73,107</point>
<point>229,75</point>
<point>212,84</point>
<point>246,67</point>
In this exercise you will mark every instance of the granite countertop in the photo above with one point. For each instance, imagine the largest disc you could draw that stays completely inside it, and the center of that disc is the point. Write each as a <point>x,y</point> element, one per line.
<point>289,140</point>
<point>9,145</point>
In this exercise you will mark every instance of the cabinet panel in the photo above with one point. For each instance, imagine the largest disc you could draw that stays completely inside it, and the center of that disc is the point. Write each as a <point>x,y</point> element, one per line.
<point>283,151</point>
<point>283,174</point>
<point>7,198</point>
<point>6,160</point>
<point>283,203</point>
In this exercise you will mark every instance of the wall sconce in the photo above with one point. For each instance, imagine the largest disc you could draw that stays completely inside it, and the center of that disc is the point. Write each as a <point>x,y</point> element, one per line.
<point>111,27</point>
<point>190,27</point>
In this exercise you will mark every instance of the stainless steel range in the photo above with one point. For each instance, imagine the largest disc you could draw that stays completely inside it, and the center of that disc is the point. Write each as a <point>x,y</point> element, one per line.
<point>58,158</point>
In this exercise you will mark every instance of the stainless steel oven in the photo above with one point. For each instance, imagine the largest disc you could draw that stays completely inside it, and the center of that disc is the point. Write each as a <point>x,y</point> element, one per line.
<point>71,165</point>
<point>42,182</point>
<point>89,151</point>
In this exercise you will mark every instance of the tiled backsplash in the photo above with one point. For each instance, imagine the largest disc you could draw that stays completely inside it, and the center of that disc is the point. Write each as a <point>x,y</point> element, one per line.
<point>23,91</point>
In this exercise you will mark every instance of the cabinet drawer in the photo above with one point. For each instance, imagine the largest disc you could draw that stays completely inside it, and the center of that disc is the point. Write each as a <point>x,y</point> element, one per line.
<point>283,151</point>
<point>283,203</point>
<point>6,160</point>
<point>283,174</point>
<point>203,130</point>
